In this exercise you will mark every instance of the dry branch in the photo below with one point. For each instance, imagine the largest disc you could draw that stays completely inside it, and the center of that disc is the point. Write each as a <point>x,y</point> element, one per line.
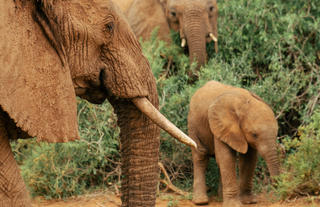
<point>167,182</point>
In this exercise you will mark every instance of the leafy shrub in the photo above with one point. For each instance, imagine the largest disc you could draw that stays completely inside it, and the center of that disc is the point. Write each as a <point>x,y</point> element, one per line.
<point>65,169</point>
<point>301,174</point>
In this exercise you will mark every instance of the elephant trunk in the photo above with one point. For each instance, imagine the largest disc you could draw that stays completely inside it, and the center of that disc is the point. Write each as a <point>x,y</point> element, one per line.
<point>139,147</point>
<point>195,31</point>
<point>273,164</point>
<point>272,160</point>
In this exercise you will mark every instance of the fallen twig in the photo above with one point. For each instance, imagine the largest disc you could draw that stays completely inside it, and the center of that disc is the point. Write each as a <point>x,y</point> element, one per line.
<point>168,182</point>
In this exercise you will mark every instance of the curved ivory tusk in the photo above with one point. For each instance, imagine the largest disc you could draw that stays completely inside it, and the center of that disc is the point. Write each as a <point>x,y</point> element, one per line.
<point>144,105</point>
<point>183,42</point>
<point>213,37</point>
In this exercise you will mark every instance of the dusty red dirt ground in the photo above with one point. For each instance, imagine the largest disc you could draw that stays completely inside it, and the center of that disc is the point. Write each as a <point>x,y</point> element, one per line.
<point>108,199</point>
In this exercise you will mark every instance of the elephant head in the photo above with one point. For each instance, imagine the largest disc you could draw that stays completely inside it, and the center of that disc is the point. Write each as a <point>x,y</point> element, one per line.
<point>242,119</point>
<point>53,50</point>
<point>195,20</point>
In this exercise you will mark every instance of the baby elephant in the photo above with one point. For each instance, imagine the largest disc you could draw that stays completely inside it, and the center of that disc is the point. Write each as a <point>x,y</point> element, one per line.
<point>226,121</point>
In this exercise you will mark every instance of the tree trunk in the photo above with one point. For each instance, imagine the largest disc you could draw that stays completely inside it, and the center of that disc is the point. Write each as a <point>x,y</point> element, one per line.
<point>139,154</point>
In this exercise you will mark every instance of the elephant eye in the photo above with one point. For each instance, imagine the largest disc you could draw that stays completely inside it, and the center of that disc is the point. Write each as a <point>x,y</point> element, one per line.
<point>173,14</point>
<point>109,27</point>
<point>109,30</point>
<point>211,8</point>
<point>255,135</point>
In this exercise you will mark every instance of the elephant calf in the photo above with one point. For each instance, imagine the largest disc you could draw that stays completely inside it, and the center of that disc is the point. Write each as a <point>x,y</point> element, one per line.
<point>226,121</point>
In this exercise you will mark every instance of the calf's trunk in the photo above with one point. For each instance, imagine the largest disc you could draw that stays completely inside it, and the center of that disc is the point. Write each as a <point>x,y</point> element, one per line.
<point>270,155</point>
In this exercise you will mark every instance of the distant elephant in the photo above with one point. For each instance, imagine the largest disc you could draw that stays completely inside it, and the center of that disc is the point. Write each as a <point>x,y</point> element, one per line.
<point>225,121</point>
<point>53,50</point>
<point>195,20</point>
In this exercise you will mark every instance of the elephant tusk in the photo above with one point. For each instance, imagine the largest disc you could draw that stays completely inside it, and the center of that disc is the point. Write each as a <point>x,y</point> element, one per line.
<point>183,42</point>
<point>144,105</point>
<point>213,37</point>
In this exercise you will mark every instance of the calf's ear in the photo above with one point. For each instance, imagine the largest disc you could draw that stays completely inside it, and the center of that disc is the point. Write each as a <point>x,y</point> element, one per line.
<point>224,121</point>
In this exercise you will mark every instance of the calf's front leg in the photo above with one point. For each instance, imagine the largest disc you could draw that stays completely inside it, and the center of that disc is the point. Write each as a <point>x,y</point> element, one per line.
<point>247,166</point>
<point>226,159</point>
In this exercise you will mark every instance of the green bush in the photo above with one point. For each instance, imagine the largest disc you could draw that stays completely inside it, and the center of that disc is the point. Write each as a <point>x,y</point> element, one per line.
<point>301,171</point>
<point>65,169</point>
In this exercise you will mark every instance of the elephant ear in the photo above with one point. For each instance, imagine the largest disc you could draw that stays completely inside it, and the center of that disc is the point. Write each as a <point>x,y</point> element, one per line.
<point>36,89</point>
<point>153,16</point>
<point>224,116</point>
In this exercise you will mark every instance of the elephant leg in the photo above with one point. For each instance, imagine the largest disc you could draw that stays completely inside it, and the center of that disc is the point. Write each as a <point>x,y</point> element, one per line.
<point>247,166</point>
<point>200,163</point>
<point>13,192</point>
<point>226,159</point>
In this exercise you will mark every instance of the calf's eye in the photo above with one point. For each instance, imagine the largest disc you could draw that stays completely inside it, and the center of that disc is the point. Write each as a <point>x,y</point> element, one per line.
<point>109,27</point>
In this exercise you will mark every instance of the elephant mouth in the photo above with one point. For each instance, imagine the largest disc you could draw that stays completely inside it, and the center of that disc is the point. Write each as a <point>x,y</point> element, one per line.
<point>210,37</point>
<point>92,95</point>
<point>92,90</point>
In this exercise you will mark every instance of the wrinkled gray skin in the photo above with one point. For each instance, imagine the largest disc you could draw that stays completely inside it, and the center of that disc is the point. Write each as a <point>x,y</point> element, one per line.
<point>226,121</point>
<point>194,20</point>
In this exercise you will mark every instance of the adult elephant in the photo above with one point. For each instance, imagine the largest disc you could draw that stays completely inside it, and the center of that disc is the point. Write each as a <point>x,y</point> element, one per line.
<point>195,20</point>
<point>53,50</point>
<point>226,121</point>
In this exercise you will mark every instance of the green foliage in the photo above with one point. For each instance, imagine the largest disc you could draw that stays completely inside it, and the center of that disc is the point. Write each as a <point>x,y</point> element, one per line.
<point>65,169</point>
<point>301,173</point>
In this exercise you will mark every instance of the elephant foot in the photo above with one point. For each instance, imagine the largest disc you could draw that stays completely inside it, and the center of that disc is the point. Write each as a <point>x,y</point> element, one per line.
<point>231,203</point>
<point>248,199</point>
<point>200,199</point>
